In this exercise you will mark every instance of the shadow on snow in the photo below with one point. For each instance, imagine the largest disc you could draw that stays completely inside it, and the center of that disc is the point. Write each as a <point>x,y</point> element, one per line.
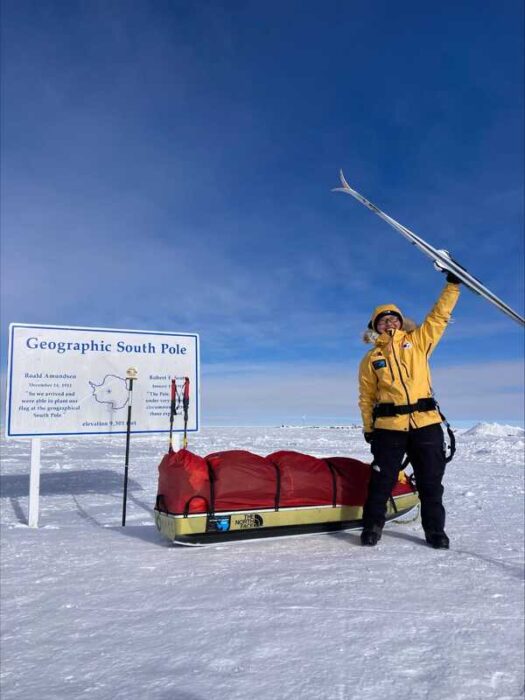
<point>67,483</point>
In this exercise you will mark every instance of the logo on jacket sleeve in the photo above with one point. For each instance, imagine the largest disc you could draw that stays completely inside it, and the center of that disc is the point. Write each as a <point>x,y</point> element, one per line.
<point>379,364</point>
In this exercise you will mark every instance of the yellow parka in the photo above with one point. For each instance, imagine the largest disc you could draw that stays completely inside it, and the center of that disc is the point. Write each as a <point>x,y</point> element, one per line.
<point>396,370</point>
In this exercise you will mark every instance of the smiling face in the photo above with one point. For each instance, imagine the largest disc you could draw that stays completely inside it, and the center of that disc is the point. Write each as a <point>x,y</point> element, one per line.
<point>387,323</point>
<point>386,317</point>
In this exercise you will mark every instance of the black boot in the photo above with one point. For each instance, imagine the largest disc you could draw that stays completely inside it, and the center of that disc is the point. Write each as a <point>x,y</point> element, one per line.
<point>437,540</point>
<point>371,536</point>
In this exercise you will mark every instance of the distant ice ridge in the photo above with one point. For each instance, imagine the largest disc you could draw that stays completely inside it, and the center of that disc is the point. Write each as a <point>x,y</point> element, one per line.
<point>324,427</point>
<point>495,429</point>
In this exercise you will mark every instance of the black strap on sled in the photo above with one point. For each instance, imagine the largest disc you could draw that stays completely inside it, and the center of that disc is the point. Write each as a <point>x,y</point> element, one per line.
<point>393,503</point>
<point>160,504</point>
<point>193,498</point>
<point>334,482</point>
<point>277,486</point>
<point>211,476</point>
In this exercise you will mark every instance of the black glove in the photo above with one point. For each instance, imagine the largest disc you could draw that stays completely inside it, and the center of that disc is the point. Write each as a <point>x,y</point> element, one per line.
<point>451,277</point>
<point>369,436</point>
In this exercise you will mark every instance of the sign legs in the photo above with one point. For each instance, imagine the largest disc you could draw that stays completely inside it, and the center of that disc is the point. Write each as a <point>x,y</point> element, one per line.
<point>34,483</point>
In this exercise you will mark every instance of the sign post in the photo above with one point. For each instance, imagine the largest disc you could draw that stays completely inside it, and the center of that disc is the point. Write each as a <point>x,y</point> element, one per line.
<point>72,381</point>
<point>34,483</point>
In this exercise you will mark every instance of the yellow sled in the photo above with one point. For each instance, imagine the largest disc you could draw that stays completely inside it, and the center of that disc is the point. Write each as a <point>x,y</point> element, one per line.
<point>200,528</point>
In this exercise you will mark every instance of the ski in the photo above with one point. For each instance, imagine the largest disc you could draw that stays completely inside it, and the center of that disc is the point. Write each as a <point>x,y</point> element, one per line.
<point>441,258</point>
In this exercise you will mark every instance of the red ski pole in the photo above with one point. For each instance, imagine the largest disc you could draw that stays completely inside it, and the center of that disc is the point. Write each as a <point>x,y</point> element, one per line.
<point>172,411</point>
<point>185,406</point>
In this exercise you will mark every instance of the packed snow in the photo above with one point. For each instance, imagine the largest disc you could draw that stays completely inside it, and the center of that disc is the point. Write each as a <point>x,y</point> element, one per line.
<point>91,609</point>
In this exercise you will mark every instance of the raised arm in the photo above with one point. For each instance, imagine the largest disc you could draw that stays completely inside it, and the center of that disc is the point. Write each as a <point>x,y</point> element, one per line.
<point>429,333</point>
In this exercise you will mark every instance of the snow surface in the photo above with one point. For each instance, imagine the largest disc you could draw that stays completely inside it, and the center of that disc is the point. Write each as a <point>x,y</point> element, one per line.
<point>487,429</point>
<point>94,610</point>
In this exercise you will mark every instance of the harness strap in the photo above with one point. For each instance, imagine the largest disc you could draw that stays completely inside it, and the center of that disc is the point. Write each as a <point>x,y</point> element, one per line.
<point>393,503</point>
<point>451,436</point>
<point>389,410</point>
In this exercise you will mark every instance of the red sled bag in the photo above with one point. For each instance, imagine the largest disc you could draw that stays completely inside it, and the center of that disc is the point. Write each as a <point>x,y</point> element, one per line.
<point>403,485</point>
<point>184,484</point>
<point>242,481</point>
<point>304,480</point>
<point>352,477</point>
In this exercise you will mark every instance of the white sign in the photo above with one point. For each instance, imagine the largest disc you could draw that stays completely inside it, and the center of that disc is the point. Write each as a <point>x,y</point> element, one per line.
<point>72,381</point>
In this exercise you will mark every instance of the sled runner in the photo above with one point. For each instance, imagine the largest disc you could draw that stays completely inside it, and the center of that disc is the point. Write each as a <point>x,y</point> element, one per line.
<point>237,495</point>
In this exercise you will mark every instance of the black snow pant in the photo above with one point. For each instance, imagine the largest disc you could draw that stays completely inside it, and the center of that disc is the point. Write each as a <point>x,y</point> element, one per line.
<point>425,449</point>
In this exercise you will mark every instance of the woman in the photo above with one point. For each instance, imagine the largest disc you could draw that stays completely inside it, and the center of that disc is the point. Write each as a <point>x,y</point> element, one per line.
<point>400,415</point>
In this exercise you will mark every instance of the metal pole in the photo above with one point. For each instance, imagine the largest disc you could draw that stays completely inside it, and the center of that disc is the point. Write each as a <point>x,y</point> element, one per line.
<point>34,483</point>
<point>131,376</point>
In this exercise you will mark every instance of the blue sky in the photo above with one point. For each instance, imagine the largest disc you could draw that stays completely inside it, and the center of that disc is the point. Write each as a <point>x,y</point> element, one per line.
<point>168,166</point>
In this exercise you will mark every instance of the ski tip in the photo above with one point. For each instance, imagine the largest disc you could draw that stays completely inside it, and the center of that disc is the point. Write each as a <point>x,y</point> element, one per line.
<point>344,184</point>
<point>343,180</point>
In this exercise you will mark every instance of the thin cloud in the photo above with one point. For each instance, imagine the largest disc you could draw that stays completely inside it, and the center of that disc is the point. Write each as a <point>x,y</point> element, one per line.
<point>269,393</point>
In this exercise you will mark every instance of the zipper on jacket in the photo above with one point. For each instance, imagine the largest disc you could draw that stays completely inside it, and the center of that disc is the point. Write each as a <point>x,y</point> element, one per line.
<point>410,416</point>
<point>406,369</point>
<point>401,375</point>
<point>391,370</point>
